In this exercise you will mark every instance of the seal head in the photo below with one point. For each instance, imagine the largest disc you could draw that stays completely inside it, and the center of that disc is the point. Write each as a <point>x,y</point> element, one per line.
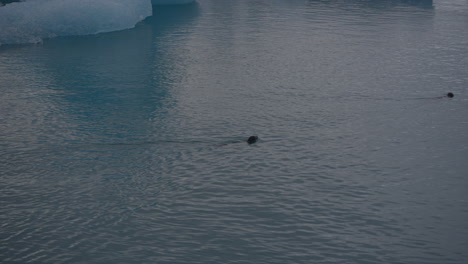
<point>252,139</point>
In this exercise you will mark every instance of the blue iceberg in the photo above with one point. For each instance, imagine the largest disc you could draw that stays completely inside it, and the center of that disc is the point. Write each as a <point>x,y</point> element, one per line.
<point>171,2</point>
<point>34,20</point>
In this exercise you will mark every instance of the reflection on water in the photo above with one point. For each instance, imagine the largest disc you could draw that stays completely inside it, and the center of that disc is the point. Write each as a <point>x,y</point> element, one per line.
<point>375,4</point>
<point>95,80</point>
<point>130,146</point>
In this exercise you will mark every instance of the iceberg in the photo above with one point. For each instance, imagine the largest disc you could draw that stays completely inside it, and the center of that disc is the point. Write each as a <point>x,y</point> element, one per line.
<point>4,2</point>
<point>32,21</point>
<point>171,2</point>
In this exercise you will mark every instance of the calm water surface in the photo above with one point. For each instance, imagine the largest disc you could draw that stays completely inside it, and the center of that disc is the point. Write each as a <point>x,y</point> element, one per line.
<point>127,147</point>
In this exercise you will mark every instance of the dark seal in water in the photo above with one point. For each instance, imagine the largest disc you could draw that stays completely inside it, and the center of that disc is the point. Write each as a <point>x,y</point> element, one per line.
<point>252,139</point>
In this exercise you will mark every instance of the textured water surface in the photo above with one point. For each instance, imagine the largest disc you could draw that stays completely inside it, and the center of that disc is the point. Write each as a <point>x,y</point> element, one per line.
<point>129,147</point>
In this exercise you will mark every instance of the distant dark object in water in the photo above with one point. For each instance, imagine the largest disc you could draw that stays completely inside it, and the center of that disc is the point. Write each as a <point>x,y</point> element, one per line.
<point>448,95</point>
<point>252,139</point>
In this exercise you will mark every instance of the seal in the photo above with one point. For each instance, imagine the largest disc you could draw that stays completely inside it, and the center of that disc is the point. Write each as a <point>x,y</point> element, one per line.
<point>450,95</point>
<point>252,139</point>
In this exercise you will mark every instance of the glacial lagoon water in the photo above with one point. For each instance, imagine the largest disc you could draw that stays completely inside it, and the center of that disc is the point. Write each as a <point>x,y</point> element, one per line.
<point>129,146</point>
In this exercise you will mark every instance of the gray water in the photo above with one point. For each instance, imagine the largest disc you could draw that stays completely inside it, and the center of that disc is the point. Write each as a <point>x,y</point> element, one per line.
<point>129,147</point>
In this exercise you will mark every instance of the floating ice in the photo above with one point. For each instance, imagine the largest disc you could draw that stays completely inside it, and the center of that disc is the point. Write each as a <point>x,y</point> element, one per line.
<point>34,20</point>
<point>171,2</point>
